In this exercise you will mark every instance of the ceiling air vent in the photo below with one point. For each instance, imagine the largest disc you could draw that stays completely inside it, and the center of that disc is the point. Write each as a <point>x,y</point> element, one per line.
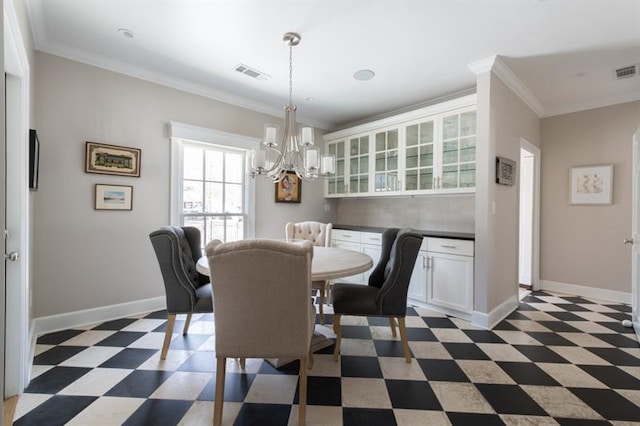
<point>625,72</point>
<point>251,72</point>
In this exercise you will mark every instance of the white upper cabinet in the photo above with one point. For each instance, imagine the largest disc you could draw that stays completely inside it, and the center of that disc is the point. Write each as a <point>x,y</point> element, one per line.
<point>427,151</point>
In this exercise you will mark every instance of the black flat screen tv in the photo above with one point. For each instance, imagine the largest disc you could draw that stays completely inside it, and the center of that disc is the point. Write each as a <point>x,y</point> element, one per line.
<point>34,159</point>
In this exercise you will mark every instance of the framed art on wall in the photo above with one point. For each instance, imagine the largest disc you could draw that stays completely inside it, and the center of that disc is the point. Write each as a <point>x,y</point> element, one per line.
<point>505,171</point>
<point>34,159</point>
<point>591,184</point>
<point>112,160</point>
<point>289,189</point>
<point>113,197</point>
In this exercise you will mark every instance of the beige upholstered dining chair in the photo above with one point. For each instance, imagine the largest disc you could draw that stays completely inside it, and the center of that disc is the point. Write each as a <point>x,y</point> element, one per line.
<point>320,235</point>
<point>262,307</point>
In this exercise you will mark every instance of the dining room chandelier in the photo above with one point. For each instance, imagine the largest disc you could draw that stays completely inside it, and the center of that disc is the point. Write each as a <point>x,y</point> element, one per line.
<point>296,152</point>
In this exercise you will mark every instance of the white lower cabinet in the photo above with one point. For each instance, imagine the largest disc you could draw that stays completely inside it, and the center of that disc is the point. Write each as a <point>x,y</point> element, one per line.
<point>442,276</point>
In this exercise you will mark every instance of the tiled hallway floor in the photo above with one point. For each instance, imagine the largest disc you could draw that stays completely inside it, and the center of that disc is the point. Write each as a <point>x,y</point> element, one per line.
<point>556,360</point>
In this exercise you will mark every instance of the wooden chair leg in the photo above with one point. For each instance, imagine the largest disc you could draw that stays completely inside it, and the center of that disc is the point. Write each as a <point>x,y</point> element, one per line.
<point>321,302</point>
<point>403,336</point>
<point>392,324</point>
<point>338,331</point>
<point>243,363</point>
<point>168,334</point>
<point>310,360</point>
<point>302,395</point>
<point>219,397</point>
<point>186,324</point>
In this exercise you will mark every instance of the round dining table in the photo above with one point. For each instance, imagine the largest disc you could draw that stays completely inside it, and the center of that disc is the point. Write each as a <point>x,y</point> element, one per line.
<point>328,263</point>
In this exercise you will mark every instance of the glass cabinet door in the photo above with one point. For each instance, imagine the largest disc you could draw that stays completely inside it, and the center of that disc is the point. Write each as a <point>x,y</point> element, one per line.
<point>359,164</point>
<point>419,165</point>
<point>386,161</point>
<point>336,183</point>
<point>458,151</point>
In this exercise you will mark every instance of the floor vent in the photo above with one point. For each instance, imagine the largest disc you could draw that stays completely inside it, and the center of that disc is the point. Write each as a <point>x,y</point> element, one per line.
<point>251,72</point>
<point>626,72</point>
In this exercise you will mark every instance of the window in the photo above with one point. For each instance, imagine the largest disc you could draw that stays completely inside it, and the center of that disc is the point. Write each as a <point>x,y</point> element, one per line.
<point>210,189</point>
<point>213,191</point>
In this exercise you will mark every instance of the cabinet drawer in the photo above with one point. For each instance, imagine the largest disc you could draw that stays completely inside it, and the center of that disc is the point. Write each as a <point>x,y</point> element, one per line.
<point>344,235</point>
<point>374,238</point>
<point>450,246</point>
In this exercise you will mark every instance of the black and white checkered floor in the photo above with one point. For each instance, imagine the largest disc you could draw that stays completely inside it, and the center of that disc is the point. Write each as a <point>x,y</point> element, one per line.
<point>556,360</point>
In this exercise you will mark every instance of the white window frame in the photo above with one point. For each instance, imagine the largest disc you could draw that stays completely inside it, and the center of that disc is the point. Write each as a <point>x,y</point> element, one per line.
<point>180,133</point>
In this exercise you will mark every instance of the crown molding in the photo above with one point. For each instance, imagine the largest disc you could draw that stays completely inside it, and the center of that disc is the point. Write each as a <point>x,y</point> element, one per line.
<point>499,68</point>
<point>568,109</point>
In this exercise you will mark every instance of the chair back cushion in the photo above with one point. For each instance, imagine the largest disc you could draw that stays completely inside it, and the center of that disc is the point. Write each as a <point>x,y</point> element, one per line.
<point>173,248</point>
<point>392,296</point>
<point>261,293</point>
<point>318,233</point>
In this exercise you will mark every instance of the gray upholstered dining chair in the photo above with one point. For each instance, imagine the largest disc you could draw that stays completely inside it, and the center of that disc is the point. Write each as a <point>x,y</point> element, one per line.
<point>386,294</point>
<point>187,291</point>
<point>320,235</point>
<point>262,307</point>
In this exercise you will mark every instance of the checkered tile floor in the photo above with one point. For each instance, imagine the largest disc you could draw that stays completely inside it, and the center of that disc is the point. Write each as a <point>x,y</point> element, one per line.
<point>556,360</point>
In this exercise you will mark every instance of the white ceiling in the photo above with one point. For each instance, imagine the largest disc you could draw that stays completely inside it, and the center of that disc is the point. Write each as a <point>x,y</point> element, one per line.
<point>563,51</point>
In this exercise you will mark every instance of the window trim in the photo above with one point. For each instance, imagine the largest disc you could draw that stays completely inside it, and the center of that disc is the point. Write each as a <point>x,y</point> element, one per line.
<point>180,133</point>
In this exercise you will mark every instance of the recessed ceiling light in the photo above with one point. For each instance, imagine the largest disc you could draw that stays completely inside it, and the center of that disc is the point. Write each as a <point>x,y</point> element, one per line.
<point>364,75</point>
<point>310,99</point>
<point>125,32</point>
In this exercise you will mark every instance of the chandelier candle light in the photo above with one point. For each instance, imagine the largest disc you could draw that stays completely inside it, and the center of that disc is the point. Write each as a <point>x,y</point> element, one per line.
<point>297,152</point>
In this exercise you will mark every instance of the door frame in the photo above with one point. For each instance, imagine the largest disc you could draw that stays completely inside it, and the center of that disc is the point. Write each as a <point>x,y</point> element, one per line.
<point>17,314</point>
<point>535,237</point>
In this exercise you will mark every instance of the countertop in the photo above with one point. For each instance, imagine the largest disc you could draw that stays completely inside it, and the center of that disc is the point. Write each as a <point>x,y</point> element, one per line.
<point>425,232</point>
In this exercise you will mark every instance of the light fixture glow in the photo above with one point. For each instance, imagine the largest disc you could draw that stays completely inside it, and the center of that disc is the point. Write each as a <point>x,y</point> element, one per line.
<point>296,152</point>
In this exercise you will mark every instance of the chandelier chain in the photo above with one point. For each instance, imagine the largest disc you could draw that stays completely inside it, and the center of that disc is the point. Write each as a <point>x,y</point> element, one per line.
<point>290,74</point>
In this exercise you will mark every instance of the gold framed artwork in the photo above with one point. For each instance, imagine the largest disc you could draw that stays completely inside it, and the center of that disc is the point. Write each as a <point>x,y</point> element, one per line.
<point>113,197</point>
<point>112,159</point>
<point>289,189</point>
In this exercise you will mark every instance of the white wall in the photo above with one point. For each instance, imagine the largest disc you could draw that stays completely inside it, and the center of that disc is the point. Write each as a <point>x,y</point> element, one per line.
<point>582,244</point>
<point>85,258</point>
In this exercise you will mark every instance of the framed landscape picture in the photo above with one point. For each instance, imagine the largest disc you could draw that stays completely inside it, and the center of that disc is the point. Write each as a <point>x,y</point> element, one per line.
<point>289,189</point>
<point>112,160</point>
<point>113,197</point>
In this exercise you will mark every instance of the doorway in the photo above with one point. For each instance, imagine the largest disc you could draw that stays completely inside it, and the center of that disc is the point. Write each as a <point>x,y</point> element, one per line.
<point>528,272</point>
<point>15,196</point>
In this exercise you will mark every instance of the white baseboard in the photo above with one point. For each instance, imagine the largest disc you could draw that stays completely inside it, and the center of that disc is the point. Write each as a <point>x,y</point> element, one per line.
<point>500,312</point>
<point>590,292</point>
<point>51,323</point>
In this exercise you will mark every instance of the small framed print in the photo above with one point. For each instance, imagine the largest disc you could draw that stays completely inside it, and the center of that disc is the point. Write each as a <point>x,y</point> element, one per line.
<point>505,171</point>
<point>113,197</point>
<point>289,189</point>
<point>112,160</point>
<point>591,184</point>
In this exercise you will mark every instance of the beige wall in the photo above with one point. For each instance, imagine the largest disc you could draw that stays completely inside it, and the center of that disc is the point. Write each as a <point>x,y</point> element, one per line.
<point>85,258</point>
<point>581,244</point>
<point>453,213</point>
<point>504,119</point>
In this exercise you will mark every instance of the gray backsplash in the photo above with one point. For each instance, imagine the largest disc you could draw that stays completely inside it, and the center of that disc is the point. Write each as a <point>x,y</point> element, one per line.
<point>452,213</point>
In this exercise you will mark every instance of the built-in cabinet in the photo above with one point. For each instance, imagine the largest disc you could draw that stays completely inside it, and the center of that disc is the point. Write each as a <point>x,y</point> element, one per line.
<point>426,151</point>
<point>442,276</point>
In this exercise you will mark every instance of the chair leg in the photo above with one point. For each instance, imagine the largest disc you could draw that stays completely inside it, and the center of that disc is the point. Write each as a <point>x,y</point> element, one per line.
<point>302,396</point>
<point>186,324</point>
<point>168,334</point>
<point>392,324</point>
<point>243,363</point>
<point>219,398</point>
<point>321,302</point>
<point>403,336</point>
<point>338,331</point>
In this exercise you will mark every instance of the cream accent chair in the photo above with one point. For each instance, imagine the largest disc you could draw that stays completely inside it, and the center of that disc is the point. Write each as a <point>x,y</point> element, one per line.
<point>320,235</point>
<point>262,307</point>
